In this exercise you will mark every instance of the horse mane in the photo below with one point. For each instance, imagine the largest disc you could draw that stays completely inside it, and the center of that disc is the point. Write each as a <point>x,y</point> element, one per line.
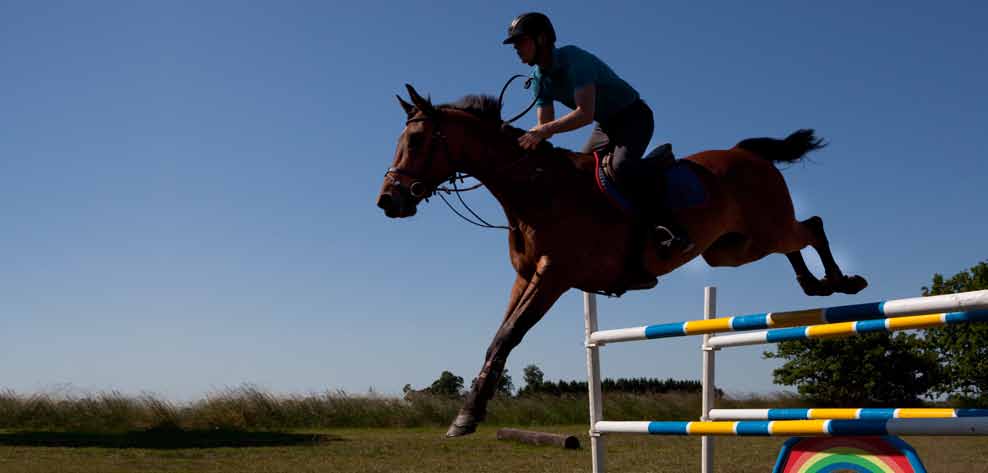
<point>484,107</point>
<point>487,108</point>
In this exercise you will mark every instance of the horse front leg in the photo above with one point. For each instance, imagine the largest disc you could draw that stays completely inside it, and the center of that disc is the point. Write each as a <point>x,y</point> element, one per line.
<point>530,300</point>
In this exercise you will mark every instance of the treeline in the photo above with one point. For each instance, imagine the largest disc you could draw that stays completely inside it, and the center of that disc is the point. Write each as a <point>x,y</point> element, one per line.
<point>451,386</point>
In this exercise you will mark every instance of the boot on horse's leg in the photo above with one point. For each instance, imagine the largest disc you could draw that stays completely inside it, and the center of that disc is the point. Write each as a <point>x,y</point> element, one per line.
<point>812,234</point>
<point>835,279</point>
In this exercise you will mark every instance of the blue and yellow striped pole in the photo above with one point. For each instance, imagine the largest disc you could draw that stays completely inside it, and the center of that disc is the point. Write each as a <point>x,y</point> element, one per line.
<point>844,329</point>
<point>802,428</point>
<point>966,301</point>
<point>844,413</point>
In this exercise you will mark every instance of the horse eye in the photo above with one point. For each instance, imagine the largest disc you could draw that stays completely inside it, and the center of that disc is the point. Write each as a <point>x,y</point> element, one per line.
<point>414,141</point>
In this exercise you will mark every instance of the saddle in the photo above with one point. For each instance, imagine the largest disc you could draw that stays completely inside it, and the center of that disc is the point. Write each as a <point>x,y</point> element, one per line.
<point>658,160</point>
<point>662,183</point>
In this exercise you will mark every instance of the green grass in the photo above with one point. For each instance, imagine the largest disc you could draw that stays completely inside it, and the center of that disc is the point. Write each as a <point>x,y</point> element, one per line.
<point>424,450</point>
<point>249,408</point>
<point>245,429</point>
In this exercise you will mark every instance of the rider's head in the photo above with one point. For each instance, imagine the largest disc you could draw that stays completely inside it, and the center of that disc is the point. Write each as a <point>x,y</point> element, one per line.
<point>533,37</point>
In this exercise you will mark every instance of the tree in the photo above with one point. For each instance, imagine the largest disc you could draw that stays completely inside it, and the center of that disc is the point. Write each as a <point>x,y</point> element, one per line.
<point>874,369</point>
<point>962,350</point>
<point>533,376</point>
<point>448,384</point>
<point>504,385</point>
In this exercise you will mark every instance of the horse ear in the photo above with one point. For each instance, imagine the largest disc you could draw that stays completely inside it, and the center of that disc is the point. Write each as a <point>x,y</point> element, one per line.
<point>409,108</point>
<point>422,104</point>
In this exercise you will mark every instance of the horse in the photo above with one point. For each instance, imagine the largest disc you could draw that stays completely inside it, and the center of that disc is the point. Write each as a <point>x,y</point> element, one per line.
<point>564,232</point>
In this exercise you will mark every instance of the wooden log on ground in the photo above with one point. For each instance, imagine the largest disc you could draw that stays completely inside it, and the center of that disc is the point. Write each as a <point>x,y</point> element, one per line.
<point>539,438</point>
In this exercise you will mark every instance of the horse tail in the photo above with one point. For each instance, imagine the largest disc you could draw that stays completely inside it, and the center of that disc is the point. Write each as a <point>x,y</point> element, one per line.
<point>789,150</point>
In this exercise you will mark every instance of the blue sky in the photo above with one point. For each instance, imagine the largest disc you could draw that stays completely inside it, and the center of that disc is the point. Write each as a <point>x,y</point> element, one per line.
<point>187,188</point>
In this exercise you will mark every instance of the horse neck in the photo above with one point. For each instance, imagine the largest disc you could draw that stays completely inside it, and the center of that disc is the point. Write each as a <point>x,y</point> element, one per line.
<point>513,176</point>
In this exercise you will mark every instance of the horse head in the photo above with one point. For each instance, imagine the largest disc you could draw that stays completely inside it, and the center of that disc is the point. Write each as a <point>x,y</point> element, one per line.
<point>423,160</point>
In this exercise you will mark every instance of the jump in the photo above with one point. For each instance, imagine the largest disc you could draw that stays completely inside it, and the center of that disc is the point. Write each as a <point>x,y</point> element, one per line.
<point>565,233</point>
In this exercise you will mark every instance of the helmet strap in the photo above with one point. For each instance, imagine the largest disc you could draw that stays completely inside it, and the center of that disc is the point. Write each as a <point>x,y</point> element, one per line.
<point>539,45</point>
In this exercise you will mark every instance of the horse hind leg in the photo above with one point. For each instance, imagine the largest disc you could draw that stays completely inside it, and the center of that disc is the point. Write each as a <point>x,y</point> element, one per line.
<point>835,280</point>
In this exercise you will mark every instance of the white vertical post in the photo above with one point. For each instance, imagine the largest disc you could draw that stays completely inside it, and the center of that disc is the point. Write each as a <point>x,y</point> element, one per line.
<point>593,382</point>
<point>709,388</point>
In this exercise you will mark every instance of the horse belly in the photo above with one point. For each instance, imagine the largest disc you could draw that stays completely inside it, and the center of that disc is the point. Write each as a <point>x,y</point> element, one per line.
<point>758,210</point>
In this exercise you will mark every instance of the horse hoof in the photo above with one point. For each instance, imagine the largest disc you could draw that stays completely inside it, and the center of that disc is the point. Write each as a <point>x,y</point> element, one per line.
<point>815,287</point>
<point>464,424</point>
<point>851,284</point>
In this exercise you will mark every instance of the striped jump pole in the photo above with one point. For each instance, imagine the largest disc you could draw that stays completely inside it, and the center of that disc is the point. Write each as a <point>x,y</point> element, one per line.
<point>844,329</point>
<point>802,428</point>
<point>773,327</point>
<point>846,414</point>
<point>967,301</point>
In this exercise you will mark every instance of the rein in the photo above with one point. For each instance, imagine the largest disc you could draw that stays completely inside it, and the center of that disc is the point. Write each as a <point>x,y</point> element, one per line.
<point>528,83</point>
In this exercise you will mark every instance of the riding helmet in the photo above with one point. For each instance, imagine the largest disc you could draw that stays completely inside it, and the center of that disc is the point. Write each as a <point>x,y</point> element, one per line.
<point>530,24</point>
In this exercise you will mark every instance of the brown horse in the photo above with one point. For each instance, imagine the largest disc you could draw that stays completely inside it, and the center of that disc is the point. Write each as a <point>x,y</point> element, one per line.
<point>565,234</point>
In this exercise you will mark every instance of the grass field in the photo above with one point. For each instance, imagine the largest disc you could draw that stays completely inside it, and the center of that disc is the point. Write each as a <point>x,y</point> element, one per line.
<point>410,450</point>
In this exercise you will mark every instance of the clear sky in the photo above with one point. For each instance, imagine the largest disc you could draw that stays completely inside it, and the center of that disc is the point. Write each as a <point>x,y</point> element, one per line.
<point>187,188</point>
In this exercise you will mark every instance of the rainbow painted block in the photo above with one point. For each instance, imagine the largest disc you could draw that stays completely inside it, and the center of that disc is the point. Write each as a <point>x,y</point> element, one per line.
<point>848,454</point>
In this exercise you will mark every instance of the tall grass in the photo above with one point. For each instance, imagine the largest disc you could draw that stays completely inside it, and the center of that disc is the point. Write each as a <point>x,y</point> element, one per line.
<point>250,408</point>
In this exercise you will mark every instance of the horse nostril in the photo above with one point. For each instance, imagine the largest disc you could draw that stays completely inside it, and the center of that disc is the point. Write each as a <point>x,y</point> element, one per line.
<point>418,189</point>
<point>384,202</point>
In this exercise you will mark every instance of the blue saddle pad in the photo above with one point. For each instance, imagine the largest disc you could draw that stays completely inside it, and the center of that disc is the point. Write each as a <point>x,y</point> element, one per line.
<point>683,187</point>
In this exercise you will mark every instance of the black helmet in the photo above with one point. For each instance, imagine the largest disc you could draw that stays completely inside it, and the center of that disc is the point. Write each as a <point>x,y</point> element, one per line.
<point>530,24</point>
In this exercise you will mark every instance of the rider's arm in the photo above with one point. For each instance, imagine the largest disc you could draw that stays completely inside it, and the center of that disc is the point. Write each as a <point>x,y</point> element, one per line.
<point>546,113</point>
<point>582,115</point>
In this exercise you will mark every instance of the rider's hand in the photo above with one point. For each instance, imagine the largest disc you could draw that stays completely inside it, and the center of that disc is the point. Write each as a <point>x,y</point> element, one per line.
<point>532,139</point>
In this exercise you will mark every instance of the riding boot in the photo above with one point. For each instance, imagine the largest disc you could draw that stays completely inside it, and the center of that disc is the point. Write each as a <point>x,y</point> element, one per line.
<point>648,195</point>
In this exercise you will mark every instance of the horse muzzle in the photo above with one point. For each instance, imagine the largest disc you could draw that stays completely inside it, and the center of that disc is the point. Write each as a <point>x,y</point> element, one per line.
<point>397,203</point>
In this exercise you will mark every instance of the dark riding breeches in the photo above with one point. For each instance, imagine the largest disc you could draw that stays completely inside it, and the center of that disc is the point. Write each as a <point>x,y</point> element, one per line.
<point>626,135</point>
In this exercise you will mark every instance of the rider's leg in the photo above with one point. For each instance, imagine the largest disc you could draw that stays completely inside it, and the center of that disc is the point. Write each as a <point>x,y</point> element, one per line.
<point>670,234</point>
<point>640,178</point>
<point>598,142</point>
<point>637,277</point>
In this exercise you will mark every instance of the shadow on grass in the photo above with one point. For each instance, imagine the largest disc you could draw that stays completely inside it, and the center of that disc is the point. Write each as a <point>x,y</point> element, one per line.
<point>164,439</point>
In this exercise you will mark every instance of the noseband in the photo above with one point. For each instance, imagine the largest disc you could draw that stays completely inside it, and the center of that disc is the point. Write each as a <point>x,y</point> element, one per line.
<point>421,188</point>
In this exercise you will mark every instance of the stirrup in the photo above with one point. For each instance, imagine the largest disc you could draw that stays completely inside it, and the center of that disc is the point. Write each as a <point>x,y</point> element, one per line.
<point>673,240</point>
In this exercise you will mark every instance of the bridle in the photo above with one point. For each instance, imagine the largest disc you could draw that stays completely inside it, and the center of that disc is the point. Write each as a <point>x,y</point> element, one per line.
<point>421,188</point>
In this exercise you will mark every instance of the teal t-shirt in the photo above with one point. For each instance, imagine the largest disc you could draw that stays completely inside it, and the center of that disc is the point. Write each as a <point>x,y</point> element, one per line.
<point>573,68</point>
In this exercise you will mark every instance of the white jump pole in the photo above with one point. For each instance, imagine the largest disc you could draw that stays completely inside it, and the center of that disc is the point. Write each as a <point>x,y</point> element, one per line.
<point>709,387</point>
<point>593,381</point>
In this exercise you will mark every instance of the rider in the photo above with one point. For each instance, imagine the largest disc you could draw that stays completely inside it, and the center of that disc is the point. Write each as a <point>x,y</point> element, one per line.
<point>588,86</point>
